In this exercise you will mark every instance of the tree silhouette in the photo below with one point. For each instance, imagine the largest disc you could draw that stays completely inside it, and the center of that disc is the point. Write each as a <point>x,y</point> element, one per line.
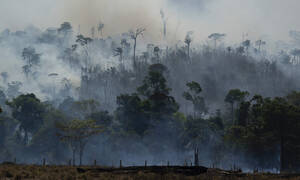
<point>134,36</point>
<point>100,28</point>
<point>77,133</point>
<point>235,96</point>
<point>188,41</point>
<point>216,37</point>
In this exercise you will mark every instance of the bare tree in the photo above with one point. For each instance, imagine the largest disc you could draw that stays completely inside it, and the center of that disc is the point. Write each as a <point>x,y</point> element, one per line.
<point>134,36</point>
<point>93,32</point>
<point>119,52</point>
<point>164,20</point>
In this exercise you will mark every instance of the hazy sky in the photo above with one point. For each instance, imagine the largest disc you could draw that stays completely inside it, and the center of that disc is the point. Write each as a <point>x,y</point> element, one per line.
<point>233,17</point>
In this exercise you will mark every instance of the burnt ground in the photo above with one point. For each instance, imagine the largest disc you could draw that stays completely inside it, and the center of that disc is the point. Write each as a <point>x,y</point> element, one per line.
<point>10,171</point>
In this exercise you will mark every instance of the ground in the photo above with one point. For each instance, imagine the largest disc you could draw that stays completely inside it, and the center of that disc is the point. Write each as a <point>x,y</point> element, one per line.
<point>34,172</point>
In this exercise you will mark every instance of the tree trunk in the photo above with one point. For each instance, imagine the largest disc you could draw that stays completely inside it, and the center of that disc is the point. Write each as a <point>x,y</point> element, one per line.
<point>134,48</point>
<point>81,148</point>
<point>73,151</point>
<point>26,137</point>
<point>80,157</point>
<point>232,113</point>
<point>282,158</point>
<point>188,51</point>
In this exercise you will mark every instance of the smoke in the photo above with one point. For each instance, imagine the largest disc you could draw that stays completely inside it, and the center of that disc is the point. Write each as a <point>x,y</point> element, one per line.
<point>233,17</point>
<point>271,19</point>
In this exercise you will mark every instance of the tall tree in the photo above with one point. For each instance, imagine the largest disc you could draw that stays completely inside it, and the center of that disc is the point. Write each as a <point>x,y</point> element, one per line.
<point>100,28</point>
<point>119,52</point>
<point>155,89</point>
<point>29,111</point>
<point>193,95</point>
<point>77,133</point>
<point>235,96</point>
<point>32,60</point>
<point>216,37</point>
<point>65,28</point>
<point>247,44</point>
<point>188,41</point>
<point>131,114</point>
<point>134,35</point>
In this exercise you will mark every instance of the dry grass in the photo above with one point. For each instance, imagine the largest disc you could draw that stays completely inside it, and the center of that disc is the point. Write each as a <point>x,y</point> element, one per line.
<point>34,172</point>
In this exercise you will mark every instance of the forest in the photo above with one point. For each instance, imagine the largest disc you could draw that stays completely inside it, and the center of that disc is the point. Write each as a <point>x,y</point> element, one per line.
<point>74,98</point>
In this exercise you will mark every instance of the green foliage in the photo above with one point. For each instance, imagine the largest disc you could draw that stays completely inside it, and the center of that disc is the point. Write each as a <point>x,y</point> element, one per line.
<point>197,132</point>
<point>137,115</point>
<point>102,118</point>
<point>45,141</point>
<point>76,134</point>
<point>79,109</point>
<point>236,95</point>
<point>131,114</point>
<point>268,123</point>
<point>154,83</point>
<point>233,97</point>
<point>29,111</point>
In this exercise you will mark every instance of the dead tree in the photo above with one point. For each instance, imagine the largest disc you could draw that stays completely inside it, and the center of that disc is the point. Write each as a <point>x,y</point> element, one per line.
<point>196,159</point>
<point>134,36</point>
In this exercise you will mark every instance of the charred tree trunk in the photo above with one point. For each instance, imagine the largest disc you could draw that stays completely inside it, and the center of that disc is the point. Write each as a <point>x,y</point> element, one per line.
<point>73,155</point>
<point>134,49</point>
<point>196,159</point>
<point>232,113</point>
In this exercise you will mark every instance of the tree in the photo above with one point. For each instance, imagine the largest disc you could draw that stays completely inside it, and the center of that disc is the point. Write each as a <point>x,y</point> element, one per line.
<point>76,133</point>
<point>32,60</point>
<point>93,32</point>
<point>156,53</point>
<point>119,52</point>
<point>193,95</point>
<point>100,28</point>
<point>164,20</point>
<point>197,132</point>
<point>29,111</point>
<point>216,37</point>
<point>247,44</point>
<point>79,109</point>
<point>154,83</point>
<point>240,50</point>
<point>155,89</point>
<point>188,41</point>
<point>235,96</point>
<point>260,43</point>
<point>296,56</point>
<point>65,28</point>
<point>134,36</point>
<point>44,142</point>
<point>131,114</point>
<point>125,47</point>
<point>84,42</point>
<point>102,118</point>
